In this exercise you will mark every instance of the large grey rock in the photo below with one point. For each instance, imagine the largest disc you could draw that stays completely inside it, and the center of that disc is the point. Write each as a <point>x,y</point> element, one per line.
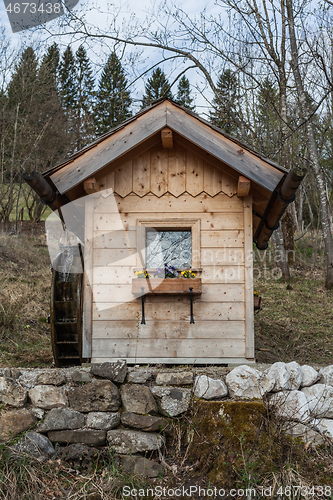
<point>54,377</point>
<point>116,372</point>
<point>102,420</point>
<point>10,372</point>
<point>84,436</point>
<point>245,382</point>
<point>172,401</point>
<point>139,376</point>
<point>320,400</point>
<point>60,419</point>
<point>11,393</point>
<point>288,376</point>
<point>15,373</point>
<point>81,377</point>
<point>297,430</point>
<point>309,376</point>
<point>208,388</point>
<point>129,442</point>
<point>101,395</point>
<point>28,378</point>
<point>13,422</point>
<point>326,427</point>
<point>326,375</point>
<point>291,405</point>
<point>35,445</point>
<point>143,422</point>
<point>137,399</point>
<point>48,397</point>
<point>174,378</point>
<point>140,466</point>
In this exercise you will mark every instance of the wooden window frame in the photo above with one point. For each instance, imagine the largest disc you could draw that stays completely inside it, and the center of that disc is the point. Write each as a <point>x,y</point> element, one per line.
<point>173,225</point>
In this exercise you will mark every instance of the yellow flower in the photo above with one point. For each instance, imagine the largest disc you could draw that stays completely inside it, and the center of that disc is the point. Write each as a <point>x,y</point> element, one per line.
<point>187,274</point>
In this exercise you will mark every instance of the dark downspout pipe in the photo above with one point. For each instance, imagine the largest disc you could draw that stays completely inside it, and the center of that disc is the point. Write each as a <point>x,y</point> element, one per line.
<point>281,199</point>
<point>55,201</point>
<point>37,182</point>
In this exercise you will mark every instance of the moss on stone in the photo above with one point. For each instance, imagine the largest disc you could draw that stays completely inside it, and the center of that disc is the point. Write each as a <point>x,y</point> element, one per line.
<point>236,443</point>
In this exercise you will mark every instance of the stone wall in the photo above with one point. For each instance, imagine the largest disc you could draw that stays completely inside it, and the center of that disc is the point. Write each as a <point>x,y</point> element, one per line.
<point>129,409</point>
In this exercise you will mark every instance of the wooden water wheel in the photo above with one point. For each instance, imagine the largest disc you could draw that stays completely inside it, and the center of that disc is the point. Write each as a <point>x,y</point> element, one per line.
<point>66,308</point>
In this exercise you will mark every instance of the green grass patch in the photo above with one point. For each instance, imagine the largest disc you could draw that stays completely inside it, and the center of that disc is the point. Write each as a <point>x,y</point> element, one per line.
<point>25,190</point>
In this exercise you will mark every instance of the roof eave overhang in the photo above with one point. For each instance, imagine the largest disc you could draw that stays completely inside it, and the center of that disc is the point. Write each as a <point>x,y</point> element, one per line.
<point>136,131</point>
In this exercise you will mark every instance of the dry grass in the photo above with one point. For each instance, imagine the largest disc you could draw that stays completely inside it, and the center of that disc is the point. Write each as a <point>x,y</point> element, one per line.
<point>24,302</point>
<point>296,319</point>
<point>25,478</point>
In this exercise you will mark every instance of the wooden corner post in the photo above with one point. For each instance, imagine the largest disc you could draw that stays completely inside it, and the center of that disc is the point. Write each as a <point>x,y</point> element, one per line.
<point>248,254</point>
<point>88,277</point>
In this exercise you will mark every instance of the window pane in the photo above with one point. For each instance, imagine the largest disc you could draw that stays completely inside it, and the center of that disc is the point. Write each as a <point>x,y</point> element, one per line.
<point>172,248</point>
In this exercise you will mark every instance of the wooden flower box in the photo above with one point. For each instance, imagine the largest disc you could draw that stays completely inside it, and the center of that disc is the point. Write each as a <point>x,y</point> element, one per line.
<point>167,285</point>
<point>256,303</point>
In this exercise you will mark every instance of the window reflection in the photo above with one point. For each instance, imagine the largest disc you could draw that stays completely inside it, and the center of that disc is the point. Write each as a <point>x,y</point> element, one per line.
<point>168,248</point>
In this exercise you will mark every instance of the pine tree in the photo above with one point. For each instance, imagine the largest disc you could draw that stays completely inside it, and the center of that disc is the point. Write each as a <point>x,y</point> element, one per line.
<point>67,79</point>
<point>48,73</point>
<point>51,61</point>
<point>84,98</point>
<point>23,82</point>
<point>156,87</point>
<point>224,104</point>
<point>112,100</point>
<point>23,106</point>
<point>268,121</point>
<point>54,142</point>
<point>19,128</point>
<point>183,94</point>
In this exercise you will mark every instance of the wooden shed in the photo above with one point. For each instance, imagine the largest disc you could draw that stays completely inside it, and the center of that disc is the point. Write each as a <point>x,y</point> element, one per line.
<point>165,173</point>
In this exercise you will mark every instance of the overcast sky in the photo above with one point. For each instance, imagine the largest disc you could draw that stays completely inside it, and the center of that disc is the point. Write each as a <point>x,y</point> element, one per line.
<point>99,52</point>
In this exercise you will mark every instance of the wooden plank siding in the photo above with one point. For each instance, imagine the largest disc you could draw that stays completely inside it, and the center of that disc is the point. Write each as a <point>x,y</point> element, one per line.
<point>180,310</point>
<point>185,203</point>
<point>159,161</point>
<point>175,171</point>
<point>212,221</point>
<point>170,185</point>
<point>177,349</point>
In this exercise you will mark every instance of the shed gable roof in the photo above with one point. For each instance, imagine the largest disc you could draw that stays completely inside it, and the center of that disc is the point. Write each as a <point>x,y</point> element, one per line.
<point>147,125</point>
